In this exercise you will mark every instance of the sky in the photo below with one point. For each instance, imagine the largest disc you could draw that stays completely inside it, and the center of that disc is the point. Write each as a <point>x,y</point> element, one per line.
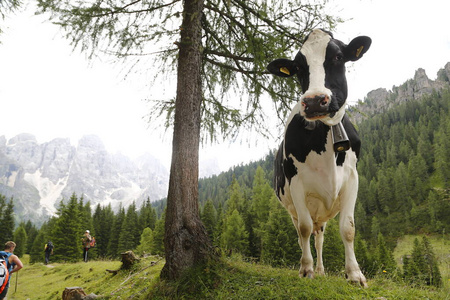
<point>51,91</point>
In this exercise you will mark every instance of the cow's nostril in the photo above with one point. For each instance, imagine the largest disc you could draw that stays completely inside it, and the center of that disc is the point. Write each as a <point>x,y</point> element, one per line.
<point>323,99</point>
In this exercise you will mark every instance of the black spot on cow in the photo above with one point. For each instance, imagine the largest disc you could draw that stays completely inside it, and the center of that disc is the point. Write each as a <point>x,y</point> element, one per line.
<point>300,141</point>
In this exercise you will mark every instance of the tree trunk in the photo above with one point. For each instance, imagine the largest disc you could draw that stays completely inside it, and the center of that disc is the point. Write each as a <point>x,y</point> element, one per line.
<point>186,241</point>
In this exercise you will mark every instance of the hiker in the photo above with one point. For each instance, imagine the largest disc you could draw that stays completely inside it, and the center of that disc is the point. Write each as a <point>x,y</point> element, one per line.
<point>13,263</point>
<point>48,251</point>
<point>86,240</point>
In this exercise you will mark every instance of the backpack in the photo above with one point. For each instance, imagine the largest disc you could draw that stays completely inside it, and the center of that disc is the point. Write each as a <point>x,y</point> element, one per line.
<point>4,273</point>
<point>93,243</point>
<point>49,247</point>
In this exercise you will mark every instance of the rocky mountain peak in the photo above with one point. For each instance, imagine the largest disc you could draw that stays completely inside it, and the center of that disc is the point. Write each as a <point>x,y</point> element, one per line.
<point>381,99</point>
<point>92,142</point>
<point>38,176</point>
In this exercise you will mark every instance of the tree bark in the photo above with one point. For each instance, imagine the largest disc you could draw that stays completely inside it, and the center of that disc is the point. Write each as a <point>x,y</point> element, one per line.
<point>186,241</point>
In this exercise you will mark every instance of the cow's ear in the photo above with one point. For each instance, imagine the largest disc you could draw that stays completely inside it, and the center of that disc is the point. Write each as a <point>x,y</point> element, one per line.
<point>357,47</point>
<point>282,67</point>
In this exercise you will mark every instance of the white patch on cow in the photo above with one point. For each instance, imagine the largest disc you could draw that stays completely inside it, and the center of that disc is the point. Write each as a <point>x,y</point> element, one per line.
<point>317,193</point>
<point>323,182</point>
<point>314,49</point>
<point>336,118</point>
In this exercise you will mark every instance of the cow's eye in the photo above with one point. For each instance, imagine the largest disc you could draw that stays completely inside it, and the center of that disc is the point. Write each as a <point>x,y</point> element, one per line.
<point>338,57</point>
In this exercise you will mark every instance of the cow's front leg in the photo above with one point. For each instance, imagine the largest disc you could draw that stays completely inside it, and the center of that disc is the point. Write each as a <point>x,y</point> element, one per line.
<point>347,230</point>
<point>304,225</point>
<point>318,240</point>
<point>306,261</point>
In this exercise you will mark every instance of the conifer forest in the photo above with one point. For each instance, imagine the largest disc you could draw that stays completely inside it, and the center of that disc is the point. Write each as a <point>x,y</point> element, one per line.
<point>403,189</point>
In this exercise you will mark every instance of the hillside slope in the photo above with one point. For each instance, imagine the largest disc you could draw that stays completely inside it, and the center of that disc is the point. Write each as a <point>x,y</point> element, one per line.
<point>235,279</point>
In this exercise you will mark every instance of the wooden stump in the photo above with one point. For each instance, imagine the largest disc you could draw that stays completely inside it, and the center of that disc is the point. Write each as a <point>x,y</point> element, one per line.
<point>73,293</point>
<point>128,259</point>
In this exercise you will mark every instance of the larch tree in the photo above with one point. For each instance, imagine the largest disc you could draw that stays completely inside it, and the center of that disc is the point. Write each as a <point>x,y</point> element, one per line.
<point>7,7</point>
<point>217,48</point>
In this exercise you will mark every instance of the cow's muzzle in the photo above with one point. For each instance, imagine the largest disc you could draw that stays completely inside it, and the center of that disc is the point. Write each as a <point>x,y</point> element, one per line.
<point>316,106</point>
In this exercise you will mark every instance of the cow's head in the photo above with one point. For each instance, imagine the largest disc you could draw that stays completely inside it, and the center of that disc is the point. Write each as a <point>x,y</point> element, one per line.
<point>320,68</point>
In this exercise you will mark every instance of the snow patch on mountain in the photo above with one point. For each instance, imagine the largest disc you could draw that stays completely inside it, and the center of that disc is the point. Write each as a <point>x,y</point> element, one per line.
<point>48,191</point>
<point>40,175</point>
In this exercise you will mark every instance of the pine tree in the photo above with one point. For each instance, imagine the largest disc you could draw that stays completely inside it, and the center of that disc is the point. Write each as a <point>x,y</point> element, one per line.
<point>219,228</point>
<point>375,229</point>
<point>7,223</point>
<point>158,236</point>
<point>431,272</point>
<point>262,192</point>
<point>236,198</point>
<point>442,152</point>
<point>418,261</point>
<point>86,215</point>
<point>32,233</point>
<point>364,257</point>
<point>103,220</point>
<point>209,218</point>
<point>418,178</point>
<point>147,216</point>
<point>67,232</point>
<point>384,257</point>
<point>407,268</point>
<point>37,250</point>
<point>113,244</point>
<point>20,238</point>
<point>333,248</point>
<point>261,195</point>
<point>235,237</point>
<point>129,233</point>
<point>280,240</point>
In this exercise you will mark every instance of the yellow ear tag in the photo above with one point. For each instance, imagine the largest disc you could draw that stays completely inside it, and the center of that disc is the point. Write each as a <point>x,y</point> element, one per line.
<point>285,71</point>
<point>358,52</point>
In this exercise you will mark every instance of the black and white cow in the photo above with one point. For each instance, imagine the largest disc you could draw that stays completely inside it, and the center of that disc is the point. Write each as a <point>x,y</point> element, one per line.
<point>314,181</point>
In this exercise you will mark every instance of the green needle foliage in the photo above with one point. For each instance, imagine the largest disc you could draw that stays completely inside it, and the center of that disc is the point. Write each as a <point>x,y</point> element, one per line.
<point>239,39</point>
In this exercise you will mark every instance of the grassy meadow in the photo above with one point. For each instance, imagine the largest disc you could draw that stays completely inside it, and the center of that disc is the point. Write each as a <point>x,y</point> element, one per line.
<point>233,279</point>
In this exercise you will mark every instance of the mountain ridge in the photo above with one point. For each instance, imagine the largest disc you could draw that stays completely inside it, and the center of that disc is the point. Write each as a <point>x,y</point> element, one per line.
<point>381,99</point>
<point>39,175</point>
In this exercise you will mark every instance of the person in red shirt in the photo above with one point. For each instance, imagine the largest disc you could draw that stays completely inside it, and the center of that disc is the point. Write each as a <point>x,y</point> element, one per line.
<point>86,240</point>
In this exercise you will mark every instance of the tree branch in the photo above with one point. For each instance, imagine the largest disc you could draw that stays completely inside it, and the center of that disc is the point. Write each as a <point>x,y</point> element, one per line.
<point>122,10</point>
<point>228,55</point>
<point>228,67</point>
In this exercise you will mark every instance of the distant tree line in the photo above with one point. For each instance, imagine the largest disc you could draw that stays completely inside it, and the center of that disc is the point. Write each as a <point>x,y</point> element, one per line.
<point>404,170</point>
<point>115,232</point>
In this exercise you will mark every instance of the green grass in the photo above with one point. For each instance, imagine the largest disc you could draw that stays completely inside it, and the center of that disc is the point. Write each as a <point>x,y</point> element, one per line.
<point>231,279</point>
<point>38,281</point>
<point>243,280</point>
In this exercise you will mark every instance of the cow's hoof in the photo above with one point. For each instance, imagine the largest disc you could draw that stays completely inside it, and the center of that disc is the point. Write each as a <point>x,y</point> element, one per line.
<point>308,273</point>
<point>357,278</point>
<point>320,271</point>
